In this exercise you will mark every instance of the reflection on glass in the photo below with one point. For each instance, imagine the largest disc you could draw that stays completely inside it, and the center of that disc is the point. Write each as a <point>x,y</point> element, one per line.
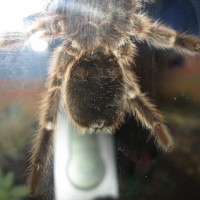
<point>173,84</point>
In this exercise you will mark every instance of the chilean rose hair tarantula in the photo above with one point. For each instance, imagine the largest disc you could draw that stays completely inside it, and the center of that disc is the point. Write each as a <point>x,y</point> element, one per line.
<point>92,71</point>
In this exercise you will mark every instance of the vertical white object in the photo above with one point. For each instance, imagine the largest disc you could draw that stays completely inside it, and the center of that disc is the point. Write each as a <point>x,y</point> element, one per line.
<point>84,165</point>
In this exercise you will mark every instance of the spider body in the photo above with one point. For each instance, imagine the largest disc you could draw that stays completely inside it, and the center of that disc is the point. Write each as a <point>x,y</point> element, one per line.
<point>96,80</point>
<point>92,71</point>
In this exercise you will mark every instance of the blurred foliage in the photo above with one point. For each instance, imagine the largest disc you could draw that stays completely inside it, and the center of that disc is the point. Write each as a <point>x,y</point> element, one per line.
<point>134,185</point>
<point>169,182</point>
<point>15,129</point>
<point>9,191</point>
<point>17,125</point>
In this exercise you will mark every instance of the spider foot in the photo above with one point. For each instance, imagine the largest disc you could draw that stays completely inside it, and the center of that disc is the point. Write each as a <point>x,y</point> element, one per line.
<point>164,139</point>
<point>35,178</point>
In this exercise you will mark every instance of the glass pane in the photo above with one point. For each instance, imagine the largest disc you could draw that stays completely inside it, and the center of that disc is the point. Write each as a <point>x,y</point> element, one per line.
<point>105,98</point>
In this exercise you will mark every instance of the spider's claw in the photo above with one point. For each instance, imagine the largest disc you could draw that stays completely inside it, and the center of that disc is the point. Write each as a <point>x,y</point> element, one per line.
<point>35,178</point>
<point>164,139</point>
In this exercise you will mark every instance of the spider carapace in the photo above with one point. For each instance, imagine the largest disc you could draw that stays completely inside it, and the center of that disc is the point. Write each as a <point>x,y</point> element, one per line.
<point>92,71</point>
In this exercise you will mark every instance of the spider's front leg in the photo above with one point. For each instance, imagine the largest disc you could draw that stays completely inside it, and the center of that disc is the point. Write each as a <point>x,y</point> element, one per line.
<point>160,36</point>
<point>146,113</point>
<point>41,154</point>
<point>42,150</point>
<point>12,40</point>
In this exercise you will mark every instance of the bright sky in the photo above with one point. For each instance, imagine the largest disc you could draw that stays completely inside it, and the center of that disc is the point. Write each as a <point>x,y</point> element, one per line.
<point>12,13</point>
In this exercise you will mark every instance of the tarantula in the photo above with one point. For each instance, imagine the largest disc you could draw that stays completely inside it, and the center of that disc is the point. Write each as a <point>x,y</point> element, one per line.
<point>92,71</point>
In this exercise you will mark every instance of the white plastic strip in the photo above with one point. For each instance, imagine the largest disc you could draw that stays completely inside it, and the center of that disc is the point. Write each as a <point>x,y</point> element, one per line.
<point>64,189</point>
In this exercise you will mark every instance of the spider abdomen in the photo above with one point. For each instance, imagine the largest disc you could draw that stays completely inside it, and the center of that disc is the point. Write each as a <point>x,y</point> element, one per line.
<point>95,92</point>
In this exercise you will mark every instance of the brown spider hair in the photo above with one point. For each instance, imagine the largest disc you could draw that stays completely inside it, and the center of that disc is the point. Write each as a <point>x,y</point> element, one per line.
<point>92,71</point>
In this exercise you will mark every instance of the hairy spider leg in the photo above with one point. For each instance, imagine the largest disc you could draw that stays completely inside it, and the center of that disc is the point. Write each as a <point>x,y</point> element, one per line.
<point>146,112</point>
<point>161,36</point>
<point>41,153</point>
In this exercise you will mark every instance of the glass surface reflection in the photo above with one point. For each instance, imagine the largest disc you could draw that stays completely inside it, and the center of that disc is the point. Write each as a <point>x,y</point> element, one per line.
<point>143,172</point>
